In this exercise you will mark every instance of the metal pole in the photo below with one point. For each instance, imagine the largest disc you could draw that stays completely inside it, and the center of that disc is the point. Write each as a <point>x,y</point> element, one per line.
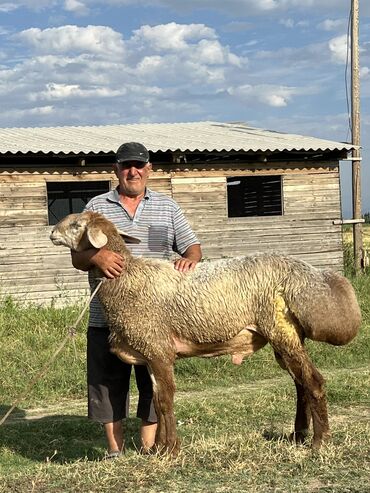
<point>356,138</point>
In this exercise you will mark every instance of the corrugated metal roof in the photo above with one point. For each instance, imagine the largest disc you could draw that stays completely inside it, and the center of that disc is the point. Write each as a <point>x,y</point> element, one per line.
<point>198,136</point>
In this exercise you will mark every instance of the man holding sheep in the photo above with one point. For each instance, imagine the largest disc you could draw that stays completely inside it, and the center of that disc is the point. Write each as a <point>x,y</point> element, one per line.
<point>162,228</point>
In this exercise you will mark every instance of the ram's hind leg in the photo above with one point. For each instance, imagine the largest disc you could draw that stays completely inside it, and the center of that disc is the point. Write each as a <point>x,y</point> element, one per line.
<point>303,415</point>
<point>313,388</point>
<point>303,411</point>
<point>286,338</point>
<point>163,396</point>
<point>310,393</point>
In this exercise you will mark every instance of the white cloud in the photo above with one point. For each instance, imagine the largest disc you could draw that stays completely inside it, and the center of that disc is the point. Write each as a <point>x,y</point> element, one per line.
<point>35,5</point>
<point>40,110</point>
<point>7,7</point>
<point>150,63</point>
<point>291,23</point>
<point>186,54</point>
<point>76,7</point>
<point>252,42</point>
<point>55,91</point>
<point>237,26</point>
<point>329,126</point>
<point>179,72</point>
<point>338,49</point>
<point>275,96</point>
<point>21,115</point>
<point>70,66</point>
<point>236,7</point>
<point>4,31</point>
<point>239,7</point>
<point>213,53</point>
<point>302,62</point>
<point>100,40</point>
<point>165,72</point>
<point>333,25</point>
<point>303,23</point>
<point>365,79</point>
<point>172,37</point>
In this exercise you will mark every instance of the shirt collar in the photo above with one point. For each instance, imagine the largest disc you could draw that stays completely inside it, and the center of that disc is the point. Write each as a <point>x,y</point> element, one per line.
<point>113,195</point>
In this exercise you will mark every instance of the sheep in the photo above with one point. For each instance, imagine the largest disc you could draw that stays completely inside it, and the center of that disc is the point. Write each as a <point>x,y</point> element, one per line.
<point>229,306</point>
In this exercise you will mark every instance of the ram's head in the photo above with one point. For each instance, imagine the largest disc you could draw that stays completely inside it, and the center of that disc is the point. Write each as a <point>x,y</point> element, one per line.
<point>82,231</point>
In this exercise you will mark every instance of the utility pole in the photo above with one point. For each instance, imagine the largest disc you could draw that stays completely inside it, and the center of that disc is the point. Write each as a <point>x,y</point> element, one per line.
<point>356,138</point>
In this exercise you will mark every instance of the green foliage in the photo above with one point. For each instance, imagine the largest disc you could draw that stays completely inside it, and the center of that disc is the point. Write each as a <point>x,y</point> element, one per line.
<point>348,259</point>
<point>29,337</point>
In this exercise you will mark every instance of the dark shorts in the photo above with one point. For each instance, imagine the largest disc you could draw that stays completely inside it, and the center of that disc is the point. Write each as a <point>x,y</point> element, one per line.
<point>108,380</point>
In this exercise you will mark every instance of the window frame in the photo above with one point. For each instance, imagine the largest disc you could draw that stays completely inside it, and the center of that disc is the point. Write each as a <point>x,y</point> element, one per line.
<point>261,177</point>
<point>79,186</point>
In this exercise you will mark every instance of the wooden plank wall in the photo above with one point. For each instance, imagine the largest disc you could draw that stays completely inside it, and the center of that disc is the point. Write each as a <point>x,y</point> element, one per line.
<point>22,203</point>
<point>203,201</point>
<point>311,200</point>
<point>34,270</point>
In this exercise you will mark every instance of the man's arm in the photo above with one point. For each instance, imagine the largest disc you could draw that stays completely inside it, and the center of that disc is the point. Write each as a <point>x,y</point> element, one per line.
<point>110,263</point>
<point>190,258</point>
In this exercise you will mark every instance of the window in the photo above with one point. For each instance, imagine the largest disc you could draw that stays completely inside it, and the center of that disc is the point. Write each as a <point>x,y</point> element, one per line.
<point>254,196</point>
<point>66,197</point>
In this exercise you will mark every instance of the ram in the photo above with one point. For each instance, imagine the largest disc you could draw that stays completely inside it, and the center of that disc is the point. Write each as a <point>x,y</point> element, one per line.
<point>230,306</point>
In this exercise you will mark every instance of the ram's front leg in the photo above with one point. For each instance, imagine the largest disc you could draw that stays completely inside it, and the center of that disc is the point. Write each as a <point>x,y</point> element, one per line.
<point>162,375</point>
<point>160,438</point>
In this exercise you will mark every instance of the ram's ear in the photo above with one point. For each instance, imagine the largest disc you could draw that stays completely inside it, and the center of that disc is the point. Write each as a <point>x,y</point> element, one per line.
<point>96,237</point>
<point>128,238</point>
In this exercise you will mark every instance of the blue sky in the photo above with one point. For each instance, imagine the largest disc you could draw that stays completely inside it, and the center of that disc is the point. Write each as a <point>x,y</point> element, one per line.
<point>276,64</point>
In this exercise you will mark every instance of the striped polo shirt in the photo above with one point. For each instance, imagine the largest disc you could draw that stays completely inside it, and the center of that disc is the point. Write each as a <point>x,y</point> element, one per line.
<point>159,224</point>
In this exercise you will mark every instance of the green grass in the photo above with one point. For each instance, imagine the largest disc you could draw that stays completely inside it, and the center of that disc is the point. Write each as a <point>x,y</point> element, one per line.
<point>29,337</point>
<point>233,421</point>
<point>347,235</point>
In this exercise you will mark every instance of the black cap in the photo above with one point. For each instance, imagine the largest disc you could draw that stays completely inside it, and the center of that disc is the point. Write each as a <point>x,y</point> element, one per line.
<point>132,151</point>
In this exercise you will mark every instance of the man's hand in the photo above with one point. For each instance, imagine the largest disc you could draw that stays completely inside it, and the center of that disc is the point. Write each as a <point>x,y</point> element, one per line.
<point>185,264</point>
<point>189,260</point>
<point>110,263</point>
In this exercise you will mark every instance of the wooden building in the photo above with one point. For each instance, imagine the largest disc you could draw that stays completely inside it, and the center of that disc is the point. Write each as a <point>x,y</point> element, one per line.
<point>243,190</point>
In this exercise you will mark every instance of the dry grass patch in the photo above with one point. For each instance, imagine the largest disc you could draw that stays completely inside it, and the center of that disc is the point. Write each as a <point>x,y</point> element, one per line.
<point>234,440</point>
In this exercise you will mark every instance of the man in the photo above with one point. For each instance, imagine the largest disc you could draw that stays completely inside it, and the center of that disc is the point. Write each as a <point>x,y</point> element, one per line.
<point>162,228</point>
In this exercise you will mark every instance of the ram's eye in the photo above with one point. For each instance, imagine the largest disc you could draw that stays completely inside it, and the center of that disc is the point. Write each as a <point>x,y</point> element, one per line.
<point>75,225</point>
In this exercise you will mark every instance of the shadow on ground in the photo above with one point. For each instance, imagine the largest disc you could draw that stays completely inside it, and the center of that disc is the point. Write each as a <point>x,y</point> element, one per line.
<point>274,436</point>
<point>58,438</point>
<point>19,413</point>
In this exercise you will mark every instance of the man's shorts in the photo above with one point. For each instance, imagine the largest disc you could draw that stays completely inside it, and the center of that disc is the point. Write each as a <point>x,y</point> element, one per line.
<point>108,380</point>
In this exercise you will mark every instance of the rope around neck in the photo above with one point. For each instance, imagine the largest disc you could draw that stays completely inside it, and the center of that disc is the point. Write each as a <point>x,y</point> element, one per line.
<point>70,335</point>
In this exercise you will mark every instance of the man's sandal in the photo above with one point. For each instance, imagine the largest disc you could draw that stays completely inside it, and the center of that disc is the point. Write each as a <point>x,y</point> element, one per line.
<point>113,455</point>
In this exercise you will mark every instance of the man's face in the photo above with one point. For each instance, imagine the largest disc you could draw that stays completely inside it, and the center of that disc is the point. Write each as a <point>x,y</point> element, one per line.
<point>132,176</point>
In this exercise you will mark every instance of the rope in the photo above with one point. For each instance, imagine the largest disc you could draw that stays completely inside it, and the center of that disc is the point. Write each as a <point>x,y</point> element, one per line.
<point>70,335</point>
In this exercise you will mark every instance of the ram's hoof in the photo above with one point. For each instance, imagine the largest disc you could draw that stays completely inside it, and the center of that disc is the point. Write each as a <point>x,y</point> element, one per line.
<point>298,437</point>
<point>317,442</point>
<point>176,448</point>
<point>172,448</point>
<point>148,451</point>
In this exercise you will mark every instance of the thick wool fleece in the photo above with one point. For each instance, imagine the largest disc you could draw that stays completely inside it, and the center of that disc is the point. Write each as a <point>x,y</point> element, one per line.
<point>151,302</point>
